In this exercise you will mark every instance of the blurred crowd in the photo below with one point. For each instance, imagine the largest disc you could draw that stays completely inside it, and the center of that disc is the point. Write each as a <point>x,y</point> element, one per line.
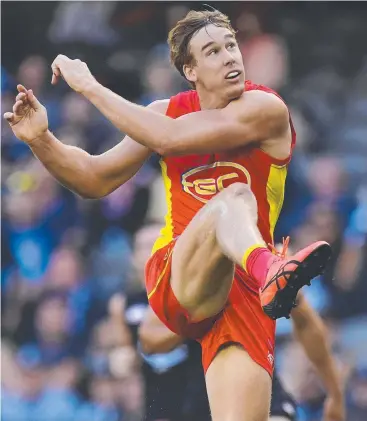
<point>71,268</point>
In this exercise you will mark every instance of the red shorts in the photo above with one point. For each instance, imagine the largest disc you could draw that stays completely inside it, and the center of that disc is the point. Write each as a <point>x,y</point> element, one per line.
<point>242,320</point>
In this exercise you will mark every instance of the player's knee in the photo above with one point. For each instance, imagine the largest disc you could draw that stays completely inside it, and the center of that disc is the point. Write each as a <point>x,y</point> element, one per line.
<point>237,189</point>
<point>240,191</point>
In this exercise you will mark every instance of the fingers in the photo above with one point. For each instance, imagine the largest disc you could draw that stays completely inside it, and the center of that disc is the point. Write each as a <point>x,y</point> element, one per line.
<point>55,66</point>
<point>21,88</point>
<point>55,71</point>
<point>21,97</point>
<point>55,76</point>
<point>9,117</point>
<point>35,104</point>
<point>25,99</point>
<point>17,107</point>
<point>19,102</point>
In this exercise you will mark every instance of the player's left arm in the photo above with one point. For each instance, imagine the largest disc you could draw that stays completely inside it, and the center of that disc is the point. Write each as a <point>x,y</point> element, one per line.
<point>255,117</point>
<point>155,337</point>
<point>312,334</point>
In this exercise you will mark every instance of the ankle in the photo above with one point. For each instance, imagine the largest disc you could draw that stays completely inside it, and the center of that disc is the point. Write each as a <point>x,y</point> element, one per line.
<point>257,262</point>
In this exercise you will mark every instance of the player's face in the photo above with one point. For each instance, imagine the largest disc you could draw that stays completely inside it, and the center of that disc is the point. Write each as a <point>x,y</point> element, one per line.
<point>218,64</point>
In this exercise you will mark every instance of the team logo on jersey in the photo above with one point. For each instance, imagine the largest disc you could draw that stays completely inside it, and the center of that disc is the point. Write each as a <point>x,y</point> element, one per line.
<point>206,181</point>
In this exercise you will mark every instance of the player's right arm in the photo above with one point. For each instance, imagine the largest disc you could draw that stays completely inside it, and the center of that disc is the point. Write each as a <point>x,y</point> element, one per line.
<point>87,175</point>
<point>155,337</point>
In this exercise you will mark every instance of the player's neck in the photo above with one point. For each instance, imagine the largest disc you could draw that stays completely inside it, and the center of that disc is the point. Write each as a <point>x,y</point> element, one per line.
<point>211,100</point>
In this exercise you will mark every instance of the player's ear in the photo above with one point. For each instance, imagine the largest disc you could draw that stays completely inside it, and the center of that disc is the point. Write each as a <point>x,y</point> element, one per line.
<point>190,73</point>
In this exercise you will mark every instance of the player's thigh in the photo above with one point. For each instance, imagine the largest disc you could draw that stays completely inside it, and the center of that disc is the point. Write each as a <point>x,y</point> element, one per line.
<point>238,388</point>
<point>201,273</point>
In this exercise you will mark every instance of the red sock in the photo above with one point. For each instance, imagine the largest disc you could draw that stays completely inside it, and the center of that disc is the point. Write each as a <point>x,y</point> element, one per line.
<point>256,262</point>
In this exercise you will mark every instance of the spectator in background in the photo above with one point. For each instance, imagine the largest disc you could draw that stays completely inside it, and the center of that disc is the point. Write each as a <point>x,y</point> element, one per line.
<point>265,55</point>
<point>34,234</point>
<point>82,126</point>
<point>112,363</point>
<point>109,265</point>
<point>34,399</point>
<point>328,182</point>
<point>159,79</point>
<point>83,22</point>
<point>321,181</point>
<point>33,71</point>
<point>349,285</point>
<point>102,405</point>
<point>66,274</point>
<point>53,338</point>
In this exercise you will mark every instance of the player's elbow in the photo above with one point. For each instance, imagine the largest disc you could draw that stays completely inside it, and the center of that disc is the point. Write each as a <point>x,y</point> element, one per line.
<point>171,142</point>
<point>166,146</point>
<point>92,191</point>
<point>87,194</point>
<point>279,118</point>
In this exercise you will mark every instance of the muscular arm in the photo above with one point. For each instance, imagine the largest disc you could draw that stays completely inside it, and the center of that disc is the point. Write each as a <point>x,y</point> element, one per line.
<point>155,337</point>
<point>93,176</point>
<point>255,117</point>
<point>311,332</point>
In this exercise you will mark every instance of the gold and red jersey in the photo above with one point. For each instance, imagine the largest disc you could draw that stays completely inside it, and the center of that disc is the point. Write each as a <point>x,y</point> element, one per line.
<point>191,181</point>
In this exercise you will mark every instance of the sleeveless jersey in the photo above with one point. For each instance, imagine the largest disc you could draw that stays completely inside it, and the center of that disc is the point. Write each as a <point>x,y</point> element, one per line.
<point>191,181</point>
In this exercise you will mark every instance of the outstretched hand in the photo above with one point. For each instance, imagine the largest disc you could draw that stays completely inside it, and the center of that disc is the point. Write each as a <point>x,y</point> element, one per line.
<point>28,119</point>
<point>75,73</point>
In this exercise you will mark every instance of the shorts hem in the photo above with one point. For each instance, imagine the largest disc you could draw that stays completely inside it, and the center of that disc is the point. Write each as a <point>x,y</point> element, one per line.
<point>223,340</point>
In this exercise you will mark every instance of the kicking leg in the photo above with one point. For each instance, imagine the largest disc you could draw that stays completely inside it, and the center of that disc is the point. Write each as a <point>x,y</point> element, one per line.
<point>238,388</point>
<point>204,256</point>
<point>224,233</point>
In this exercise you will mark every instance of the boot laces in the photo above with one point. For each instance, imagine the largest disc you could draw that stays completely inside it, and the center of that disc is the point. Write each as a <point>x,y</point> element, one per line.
<point>282,254</point>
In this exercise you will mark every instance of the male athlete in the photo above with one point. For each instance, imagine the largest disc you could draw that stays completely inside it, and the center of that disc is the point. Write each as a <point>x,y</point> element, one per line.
<point>311,333</point>
<point>225,147</point>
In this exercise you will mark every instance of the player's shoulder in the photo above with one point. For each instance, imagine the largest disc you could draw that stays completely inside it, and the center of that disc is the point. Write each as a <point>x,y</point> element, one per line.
<point>185,95</point>
<point>183,99</point>
<point>264,101</point>
<point>251,86</point>
<point>263,93</point>
<point>160,106</point>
